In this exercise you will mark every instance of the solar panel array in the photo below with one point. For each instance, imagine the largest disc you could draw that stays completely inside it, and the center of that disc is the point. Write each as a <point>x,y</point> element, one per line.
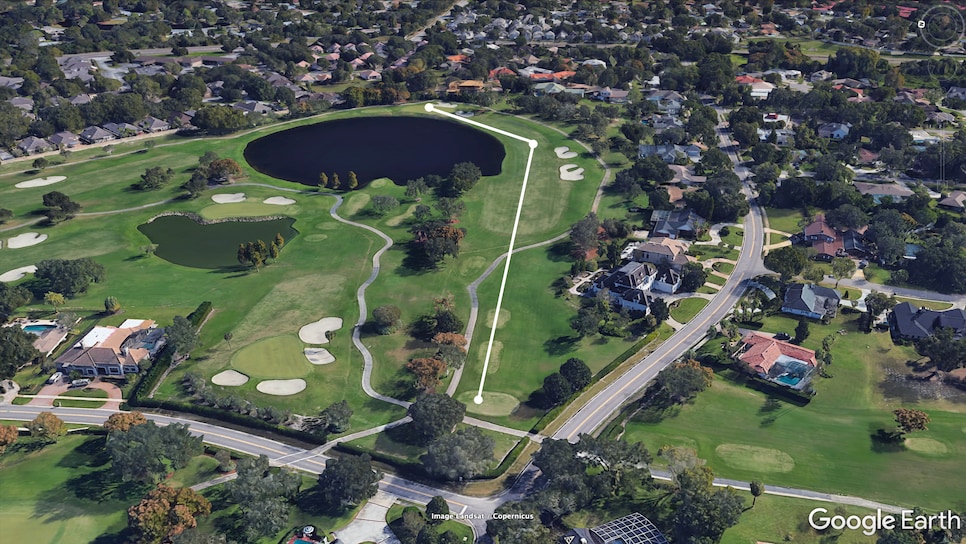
<point>632,529</point>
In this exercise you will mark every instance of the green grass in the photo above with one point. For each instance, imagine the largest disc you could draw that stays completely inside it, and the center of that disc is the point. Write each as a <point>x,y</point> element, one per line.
<point>86,393</point>
<point>703,253</point>
<point>686,309</point>
<point>200,469</point>
<point>790,221</point>
<point>775,518</point>
<point>723,267</point>
<point>278,357</point>
<point>462,531</point>
<point>931,304</point>
<point>717,280</point>
<point>707,290</point>
<point>830,439</point>
<point>735,236</point>
<point>876,274</point>
<point>393,444</point>
<point>246,209</point>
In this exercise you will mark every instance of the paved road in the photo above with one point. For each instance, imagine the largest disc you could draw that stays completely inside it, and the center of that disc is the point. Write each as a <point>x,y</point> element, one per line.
<point>610,400</point>
<point>141,52</point>
<point>904,292</point>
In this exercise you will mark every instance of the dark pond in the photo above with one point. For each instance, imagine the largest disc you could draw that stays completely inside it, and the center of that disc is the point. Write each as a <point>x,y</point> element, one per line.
<point>182,240</point>
<point>399,148</point>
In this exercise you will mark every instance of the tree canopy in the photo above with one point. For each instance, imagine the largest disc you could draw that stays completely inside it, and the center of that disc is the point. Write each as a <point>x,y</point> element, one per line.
<point>145,452</point>
<point>434,415</point>
<point>347,481</point>
<point>16,350</point>
<point>462,455</point>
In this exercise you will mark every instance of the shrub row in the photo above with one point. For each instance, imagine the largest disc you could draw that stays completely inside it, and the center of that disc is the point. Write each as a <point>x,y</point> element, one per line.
<point>510,458</point>
<point>198,316</point>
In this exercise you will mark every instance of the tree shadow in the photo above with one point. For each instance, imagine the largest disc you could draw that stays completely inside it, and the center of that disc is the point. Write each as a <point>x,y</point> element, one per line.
<point>89,454</point>
<point>105,485</point>
<point>771,404</point>
<point>415,263</point>
<point>884,441</point>
<point>561,345</point>
<point>561,251</point>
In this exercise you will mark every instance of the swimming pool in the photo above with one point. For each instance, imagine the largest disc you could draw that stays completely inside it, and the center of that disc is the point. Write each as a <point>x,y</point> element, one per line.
<point>38,329</point>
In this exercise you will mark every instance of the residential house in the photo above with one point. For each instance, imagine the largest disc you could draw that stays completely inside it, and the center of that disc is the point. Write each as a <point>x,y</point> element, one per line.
<point>810,300</point>
<point>955,201</point>
<point>669,152</point>
<point>64,139</point>
<point>660,123</point>
<point>879,191</point>
<point>95,135</point>
<point>153,124</point>
<point>956,92</point>
<point>777,361</point>
<point>685,174</point>
<point>613,96</point>
<point>467,86</point>
<point>121,130</point>
<point>825,240</point>
<point>676,224</point>
<point>835,131</point>
<point>628,285</point>
<point>548,88</point>
<point>670,102</point>
<point>667,280</point>
<point>821,75</point>
<point>32,144</point>
<point>11,82</point>
<point>782,136</point>
<point>113,351</point>
<point>630,529</point>
<point>502,71</point>
<point>252,106</point>
<point>367,75</point>
<point>661,251</point>
<point>908,322</point>
<point>922,138</point>
<point>23,102</point>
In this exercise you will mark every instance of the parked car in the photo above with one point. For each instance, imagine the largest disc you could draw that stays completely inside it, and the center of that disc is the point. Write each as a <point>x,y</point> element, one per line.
<point>783,336</point>
<point>83,382</point>
<point>55,377</point>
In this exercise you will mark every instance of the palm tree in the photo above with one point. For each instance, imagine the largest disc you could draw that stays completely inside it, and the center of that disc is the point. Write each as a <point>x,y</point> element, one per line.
<point>228,336</point>
<point>54,299</point>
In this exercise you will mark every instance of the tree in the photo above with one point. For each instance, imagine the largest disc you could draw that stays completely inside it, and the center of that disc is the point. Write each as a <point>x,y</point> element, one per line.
<point>166,512</point>
<point>463,177</point>
<point>279,240</point>
<point>384,203</point>
<point>196,184</point>
<point>263,494</point>
<point>5,215</point>
<point>577,373</point>
<point>801,331</point>
<point>225,462</point>
<point>228,336</point>
<point>123,421</point>
<point>273,252</point>
<point>8,436</point>
<point>347,481</point>
<point>16,350</point>
<point>40,163</point>
<point>182,335</point>
<point>437,510</point>
<point>659,309</point>
<point>54,299</point>
<point>387,318</point>
<point>154,178</point>
<point>434,415</point>
<point>451,208</point>
<point>584,233</point>
<point>416,187</point>
<point>757,489</point>
<point>682,381</point>
<point>427,371</point>
<point>224,170</point>
<point>68,277</point>
<point>59,206</point>
<point>460,456</point>
<point>702,512</point>
<point>842,267</point>
<point>146,452</point>
<point>788,261</point>
<point>693,276</point>
<point>910,420</point>
<point>813,273</point>
<point>47,427</point>
<point>323,179</point>
<point>111,305</point>
<point>557,389</point>
<point>334,182</point>
<point>337,416</point>
<point>219,119</point>
<point>353,182</point>
<point>516,524</point>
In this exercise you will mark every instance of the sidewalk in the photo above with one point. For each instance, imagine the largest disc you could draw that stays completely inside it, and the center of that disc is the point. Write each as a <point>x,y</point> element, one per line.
<point>370,524</point>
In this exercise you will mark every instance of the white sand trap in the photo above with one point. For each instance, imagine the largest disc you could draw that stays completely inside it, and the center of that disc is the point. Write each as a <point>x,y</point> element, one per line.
<point>40,182</point>
<point>17,273</point>
<point>26,239</point>
<point>228,198</point>
<point>281,387</point>
<point>314,333</point>
<point>564,152</point>
<point>571,172</point>
<point>319,356</point>
<point>231,378</point>
<point>279,201</point>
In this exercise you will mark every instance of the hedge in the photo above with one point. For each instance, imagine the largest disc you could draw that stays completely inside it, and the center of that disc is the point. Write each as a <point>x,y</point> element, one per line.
<point>201,312</point>
<point>150,378</point>
<point>510,458</point>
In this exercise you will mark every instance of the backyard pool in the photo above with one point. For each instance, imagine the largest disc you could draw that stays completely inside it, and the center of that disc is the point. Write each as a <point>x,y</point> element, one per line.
<point>38,329</point>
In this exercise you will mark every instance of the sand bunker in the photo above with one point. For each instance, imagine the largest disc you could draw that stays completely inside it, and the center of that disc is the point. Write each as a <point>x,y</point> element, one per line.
<point>17,273</point>
<point>564,152</point>
<point>571,172</point>
<point>230,378</point>
<point>319,356</point>
<point>26,239</point>
<point>314,333</point>
<point>40,182</point>
<point>281,387</point>
<point>228,198</point>
<point>279,201</point>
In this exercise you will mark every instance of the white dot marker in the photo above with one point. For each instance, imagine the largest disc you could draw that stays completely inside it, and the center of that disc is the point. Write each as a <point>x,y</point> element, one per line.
<point>533,144</point>
<point>429,107</point>
<point>478,399</point>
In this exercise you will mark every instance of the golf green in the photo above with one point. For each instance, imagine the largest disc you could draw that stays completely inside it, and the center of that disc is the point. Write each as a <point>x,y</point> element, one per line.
<point>182,240</point>
<point>278,357</point>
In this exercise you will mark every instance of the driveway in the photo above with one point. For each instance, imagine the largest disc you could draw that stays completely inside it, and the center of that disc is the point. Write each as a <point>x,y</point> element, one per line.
<point>370,524</point>
<point>46,396</point>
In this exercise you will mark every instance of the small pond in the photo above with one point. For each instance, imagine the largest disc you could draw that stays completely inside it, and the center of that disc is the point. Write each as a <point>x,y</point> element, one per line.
<point>182,240</point>
<point>398,148</point>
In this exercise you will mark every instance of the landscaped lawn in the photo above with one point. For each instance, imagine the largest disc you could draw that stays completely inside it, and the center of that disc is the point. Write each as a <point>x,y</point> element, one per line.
<point>687,308</point>
<point>277,357</point>
<point>790,221</point>
<point>463,532</point>
<point>735,236</point>
<point>717,280</point>
<point>826,445</point>
<point>86,393</point>
<point>775,519</point>
<point>723,267</point>
<point>931,304</point>
<point>703,253</point>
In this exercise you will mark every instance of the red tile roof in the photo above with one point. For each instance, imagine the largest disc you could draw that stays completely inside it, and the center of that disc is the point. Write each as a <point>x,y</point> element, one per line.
<point>762,351</point>
<point>819,226</point>
<point>501,71</point>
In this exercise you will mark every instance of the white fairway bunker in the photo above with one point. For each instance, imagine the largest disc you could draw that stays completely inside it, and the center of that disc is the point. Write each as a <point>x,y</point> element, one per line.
<point>40,182</point>
<point>26,239</point>
<point>279,201</point>
<point>314,333</point>
<point>571,172</point>
<point>228,198</point>
<point>17,273</point>
<point>319,356</point>
<point>229,378</point>
<point>281,388</point>
<point>564,152</point>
